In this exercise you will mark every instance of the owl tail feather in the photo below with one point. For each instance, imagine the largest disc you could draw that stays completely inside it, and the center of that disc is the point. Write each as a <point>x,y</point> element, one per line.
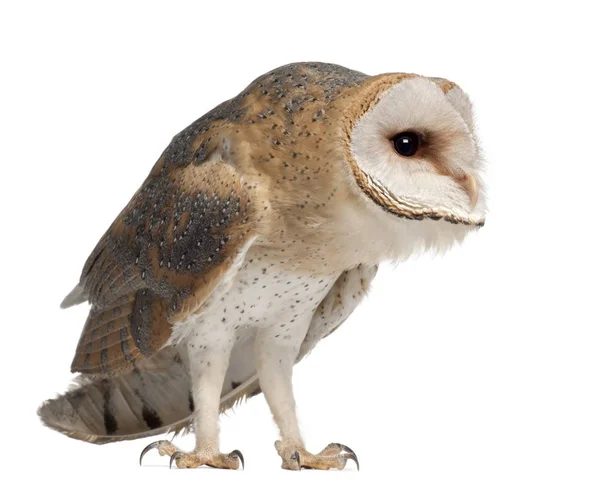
<point>154,398</point>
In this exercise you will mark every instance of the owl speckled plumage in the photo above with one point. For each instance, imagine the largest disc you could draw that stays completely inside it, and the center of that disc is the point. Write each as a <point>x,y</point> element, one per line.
<point>256,234</point>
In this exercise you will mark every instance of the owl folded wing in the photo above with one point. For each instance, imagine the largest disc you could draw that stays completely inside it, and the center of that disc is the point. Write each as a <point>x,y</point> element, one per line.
<point>175,242</point>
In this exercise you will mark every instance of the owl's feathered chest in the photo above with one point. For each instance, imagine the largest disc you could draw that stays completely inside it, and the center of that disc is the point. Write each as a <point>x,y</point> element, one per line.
<point>263,293</point>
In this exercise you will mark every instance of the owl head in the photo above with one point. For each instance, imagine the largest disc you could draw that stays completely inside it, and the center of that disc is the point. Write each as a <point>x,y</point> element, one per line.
<point>412,150</point>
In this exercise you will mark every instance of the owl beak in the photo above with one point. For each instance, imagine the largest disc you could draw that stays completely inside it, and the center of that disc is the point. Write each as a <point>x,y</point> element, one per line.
<point>471,187</point>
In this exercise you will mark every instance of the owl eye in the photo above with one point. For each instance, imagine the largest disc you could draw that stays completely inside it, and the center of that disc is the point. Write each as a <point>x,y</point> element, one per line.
<point>406,143</point>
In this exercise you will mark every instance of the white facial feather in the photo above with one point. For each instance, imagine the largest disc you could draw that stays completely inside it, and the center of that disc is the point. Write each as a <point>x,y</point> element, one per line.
<point>418,104</point>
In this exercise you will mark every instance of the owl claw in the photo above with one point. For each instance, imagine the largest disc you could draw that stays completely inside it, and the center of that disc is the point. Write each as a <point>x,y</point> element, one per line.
<point>147,449</point>
<point>175,456</point>
<point>350,455</point>
<point>151,446</point>
<point>296,457</point>
<point>238,454</point>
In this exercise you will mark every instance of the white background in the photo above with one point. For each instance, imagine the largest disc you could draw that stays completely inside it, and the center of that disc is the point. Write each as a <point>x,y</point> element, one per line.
<point>473,377</point>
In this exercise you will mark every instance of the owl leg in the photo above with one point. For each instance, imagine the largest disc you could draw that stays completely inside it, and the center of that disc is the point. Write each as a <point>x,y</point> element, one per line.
<point>275,356</point>
<point>209,357</point>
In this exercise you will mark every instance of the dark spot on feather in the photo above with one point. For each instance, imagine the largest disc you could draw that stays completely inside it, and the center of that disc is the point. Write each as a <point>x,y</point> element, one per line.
<point>110,422</point>
<point>151,417</point>
<point>123,334</point>
<point>254,392</point>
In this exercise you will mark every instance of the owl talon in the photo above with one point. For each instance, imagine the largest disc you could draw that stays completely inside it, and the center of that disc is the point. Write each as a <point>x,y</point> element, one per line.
<point>151,446</point>
<point>296,457</point>
<point>349,455</point>
<point>333,456</point>
<point>352,456</point>
<point>163,447</point>
<point>345,448</point>
<point>196,458</point>
<point>174,457</point>
<point>238,454</point>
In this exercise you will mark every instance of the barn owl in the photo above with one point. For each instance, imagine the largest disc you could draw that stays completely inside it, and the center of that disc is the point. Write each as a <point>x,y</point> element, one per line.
<point>255,235</point>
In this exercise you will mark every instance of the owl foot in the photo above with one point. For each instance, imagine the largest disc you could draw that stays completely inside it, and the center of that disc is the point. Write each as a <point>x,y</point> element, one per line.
<point>333,456</point>
<point>208,457</point>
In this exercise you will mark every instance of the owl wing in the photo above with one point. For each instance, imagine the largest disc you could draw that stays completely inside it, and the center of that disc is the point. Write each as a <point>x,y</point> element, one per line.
<point>178,238</point>
<point>341,300</point>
